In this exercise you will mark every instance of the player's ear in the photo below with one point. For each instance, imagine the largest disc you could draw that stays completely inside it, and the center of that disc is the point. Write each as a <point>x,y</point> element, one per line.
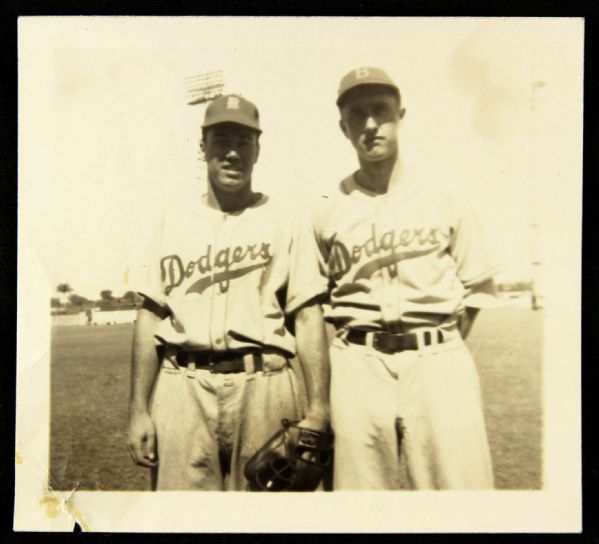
<point>402,112</point>
<point>343,127</point>
<point>202,152</point>
<point>257,148</point>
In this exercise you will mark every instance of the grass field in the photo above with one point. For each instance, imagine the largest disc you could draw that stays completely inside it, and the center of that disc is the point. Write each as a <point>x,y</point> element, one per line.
<point>90,387</point>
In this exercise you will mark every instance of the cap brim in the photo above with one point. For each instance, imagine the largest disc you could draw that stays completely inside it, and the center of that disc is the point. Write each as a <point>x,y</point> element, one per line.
<point>227,118</point>
<point>371,83</point>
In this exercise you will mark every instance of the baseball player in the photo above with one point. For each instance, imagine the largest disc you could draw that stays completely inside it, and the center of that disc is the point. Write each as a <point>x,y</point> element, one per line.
<point>406,269</point>
<point>211,379</point>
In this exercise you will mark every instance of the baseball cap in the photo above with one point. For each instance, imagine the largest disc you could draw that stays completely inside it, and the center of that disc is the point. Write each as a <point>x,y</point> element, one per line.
<point>232,108</point>
<point>367,75</point>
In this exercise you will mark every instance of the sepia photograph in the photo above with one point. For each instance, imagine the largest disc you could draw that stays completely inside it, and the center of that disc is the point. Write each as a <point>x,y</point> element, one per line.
<point>316,256</point>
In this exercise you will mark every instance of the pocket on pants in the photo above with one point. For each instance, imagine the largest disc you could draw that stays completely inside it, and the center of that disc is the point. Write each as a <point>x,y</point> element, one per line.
<point>168,384</point>
<point>171,370</point>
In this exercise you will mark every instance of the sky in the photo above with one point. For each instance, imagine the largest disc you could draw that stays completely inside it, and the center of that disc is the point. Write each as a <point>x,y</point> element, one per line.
<point>107,140</point>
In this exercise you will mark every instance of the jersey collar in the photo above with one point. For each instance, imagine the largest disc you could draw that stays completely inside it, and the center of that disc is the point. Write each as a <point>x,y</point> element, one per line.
<point>199,206</point>
<point>409,184</point>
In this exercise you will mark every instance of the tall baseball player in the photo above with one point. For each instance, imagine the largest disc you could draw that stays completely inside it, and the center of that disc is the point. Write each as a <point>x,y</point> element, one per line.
<point>406,269</point>
<point>211,379</point>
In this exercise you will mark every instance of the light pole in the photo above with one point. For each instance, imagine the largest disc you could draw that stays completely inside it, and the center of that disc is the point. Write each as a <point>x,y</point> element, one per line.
<point>537,288</point>
<point>204,87</point>
<point>200,89</point>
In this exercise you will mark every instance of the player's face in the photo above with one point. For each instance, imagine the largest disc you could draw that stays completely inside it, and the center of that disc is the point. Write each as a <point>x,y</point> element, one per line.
<point>369,118</point>
<point>231,151</point>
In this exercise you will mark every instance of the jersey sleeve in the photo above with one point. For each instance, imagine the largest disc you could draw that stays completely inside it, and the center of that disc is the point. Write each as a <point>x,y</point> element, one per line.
<point>468,248</point>
<point>482,295</point>
<point>307,277</point>
<point>147,278</point>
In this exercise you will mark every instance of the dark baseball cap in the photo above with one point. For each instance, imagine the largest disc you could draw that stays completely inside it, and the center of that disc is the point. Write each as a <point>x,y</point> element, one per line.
<point>367,75</point>
<point>232,108</point>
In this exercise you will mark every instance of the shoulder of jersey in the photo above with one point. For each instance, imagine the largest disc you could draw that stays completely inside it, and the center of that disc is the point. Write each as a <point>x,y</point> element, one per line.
<point>286,211</point>
<point>333,194</point>
<point>447,199</point>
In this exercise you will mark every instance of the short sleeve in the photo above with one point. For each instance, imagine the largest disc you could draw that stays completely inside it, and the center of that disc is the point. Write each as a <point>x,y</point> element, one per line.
<point>468,248</point>
<point>147,280</point>
<point>307,277</point>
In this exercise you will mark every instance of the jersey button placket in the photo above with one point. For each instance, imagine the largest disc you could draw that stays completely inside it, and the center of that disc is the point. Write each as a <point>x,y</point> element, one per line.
<point>219,290</point>
<point>220,314</point>
<point>388,221</point>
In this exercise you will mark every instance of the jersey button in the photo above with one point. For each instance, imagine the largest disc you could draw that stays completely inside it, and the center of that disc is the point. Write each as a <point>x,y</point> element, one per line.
<point>218,342</point>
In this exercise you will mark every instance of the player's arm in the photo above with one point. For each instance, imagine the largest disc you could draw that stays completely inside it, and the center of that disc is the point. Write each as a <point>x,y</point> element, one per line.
<point>480,296</point>
<point>308,286</point>
<point>475,267</point>
<point>144,370</point>
<point>313,355</point>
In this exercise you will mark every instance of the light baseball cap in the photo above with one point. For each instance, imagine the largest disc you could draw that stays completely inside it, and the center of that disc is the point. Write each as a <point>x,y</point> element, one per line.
<point>232,108</point>
<point>367,75</point>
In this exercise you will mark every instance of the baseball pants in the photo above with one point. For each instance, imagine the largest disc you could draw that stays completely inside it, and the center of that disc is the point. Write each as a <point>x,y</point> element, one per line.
<point>209,424</point>
<point>422,407</point>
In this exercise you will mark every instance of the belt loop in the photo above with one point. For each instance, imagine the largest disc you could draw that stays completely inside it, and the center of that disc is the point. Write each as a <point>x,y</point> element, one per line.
<point>433,338</point>
<point>170,355</point>
<point>368,339</point>
<point>248,363</point>
<point>436,336</point>
<point>420,343</point>
<point>191,365</point>
<point>427,338</point>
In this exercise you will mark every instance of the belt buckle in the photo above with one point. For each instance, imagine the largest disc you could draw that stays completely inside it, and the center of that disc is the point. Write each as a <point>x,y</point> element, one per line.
<point>211,363</point>
<point>376,343</point>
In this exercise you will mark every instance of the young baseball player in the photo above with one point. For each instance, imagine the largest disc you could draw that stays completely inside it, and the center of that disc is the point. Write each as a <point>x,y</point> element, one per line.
<point>211,379</point>
<point>406,268</point>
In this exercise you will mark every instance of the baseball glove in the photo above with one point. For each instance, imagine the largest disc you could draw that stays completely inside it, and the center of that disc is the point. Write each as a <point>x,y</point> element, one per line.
<point>293,459</point>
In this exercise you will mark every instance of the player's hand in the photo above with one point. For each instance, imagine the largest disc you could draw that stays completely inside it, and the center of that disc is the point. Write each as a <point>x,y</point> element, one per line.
<point>318,422</point>
<point>315,421</point>
<point>466,321</point>
<point>142,439</point>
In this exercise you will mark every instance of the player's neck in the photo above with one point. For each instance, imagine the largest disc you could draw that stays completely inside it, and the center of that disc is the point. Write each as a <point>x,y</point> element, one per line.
<point>379,177</point>
<point>231,202</point>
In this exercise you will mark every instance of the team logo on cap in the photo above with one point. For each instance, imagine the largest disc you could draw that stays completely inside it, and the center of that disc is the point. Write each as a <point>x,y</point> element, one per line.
<point>233,103</point>
<point>362,72</point>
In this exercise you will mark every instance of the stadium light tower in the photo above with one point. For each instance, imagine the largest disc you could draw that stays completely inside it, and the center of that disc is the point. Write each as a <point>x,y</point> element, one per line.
<point>538,287</point>
<point>201,89</point>
<point>204,87</point>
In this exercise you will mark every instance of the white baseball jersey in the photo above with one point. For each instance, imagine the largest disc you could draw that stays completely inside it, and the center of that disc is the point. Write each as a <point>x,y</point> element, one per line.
<point>223,277</point>
<point>405,258</point>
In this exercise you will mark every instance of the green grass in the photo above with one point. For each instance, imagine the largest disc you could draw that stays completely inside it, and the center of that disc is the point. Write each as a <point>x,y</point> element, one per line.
<point>507,347</point>
<point>90,388</point>
<point>89,395</point>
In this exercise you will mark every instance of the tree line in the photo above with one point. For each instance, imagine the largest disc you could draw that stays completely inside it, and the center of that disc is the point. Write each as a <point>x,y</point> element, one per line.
<point>69,301</point>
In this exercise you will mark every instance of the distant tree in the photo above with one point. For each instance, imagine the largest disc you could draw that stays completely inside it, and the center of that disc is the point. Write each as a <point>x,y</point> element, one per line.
<point>129,296</point>
<point>107,300</point>
<point>64,289</point>
<point>524,286</point>
<point>106,295</point>
<point>131,299</point>
<point>78,300</point>
<point>515,286</point>
<point>55,302</point>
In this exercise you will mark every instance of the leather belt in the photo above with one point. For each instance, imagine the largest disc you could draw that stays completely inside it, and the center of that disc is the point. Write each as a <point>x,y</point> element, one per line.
<point>219,362</point>
<point>387,342</point>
